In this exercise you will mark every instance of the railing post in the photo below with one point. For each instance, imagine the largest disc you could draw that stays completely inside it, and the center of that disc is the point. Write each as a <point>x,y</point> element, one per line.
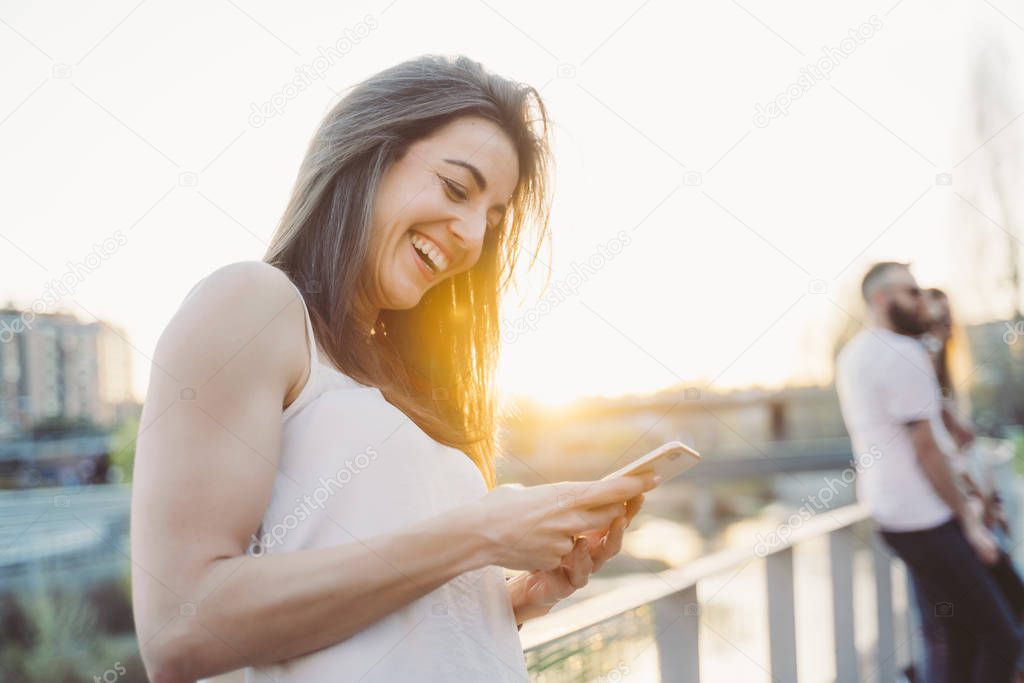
<point>914,626</point>
<point>886,646</point>
<point>677,626</point>
<point>841,557</point>
<point>781,615</point>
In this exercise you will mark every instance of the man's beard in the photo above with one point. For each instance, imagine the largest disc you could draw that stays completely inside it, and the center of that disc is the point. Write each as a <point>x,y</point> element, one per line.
<point>906,322</point>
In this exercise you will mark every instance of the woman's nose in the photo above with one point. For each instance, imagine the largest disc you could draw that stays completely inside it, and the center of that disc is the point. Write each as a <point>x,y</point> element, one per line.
<point>469,230</point>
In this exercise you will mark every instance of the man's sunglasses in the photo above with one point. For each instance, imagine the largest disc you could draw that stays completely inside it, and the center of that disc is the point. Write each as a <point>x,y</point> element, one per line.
<point>913,291</point>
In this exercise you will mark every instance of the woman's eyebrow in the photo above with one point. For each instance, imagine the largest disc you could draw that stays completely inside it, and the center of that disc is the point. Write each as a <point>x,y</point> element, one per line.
<point>478,177</point>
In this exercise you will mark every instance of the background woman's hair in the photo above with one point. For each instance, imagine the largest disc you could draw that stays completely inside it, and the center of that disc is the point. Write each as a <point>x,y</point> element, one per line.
<point>942,360</point>
<point>435,362</point>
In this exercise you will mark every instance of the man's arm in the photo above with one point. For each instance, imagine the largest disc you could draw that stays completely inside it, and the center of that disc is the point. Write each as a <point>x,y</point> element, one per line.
<point>935,464</point>
<point>936,467</point>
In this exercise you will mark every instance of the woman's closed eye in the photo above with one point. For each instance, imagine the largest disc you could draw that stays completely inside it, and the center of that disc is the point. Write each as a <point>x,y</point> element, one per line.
<point>460,192</point>
<point>455,188</point>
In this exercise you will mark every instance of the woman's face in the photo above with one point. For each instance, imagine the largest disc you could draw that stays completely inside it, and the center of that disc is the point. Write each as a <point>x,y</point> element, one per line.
<point>433,207</point>
<point>941,321</point>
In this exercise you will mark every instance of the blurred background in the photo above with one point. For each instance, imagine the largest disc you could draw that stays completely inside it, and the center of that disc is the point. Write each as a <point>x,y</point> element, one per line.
<point>725,173</point>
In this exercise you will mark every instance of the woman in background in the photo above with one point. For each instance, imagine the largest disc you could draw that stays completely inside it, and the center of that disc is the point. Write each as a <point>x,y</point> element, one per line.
<point>975,474</point>
<point>937,341</point>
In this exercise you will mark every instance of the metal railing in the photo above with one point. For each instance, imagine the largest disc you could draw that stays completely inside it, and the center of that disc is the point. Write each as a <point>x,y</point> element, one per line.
<point>654,622</point>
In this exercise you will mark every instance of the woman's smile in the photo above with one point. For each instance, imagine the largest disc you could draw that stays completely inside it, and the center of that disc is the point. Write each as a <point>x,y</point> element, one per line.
<point>431,259</point>
<point>420,260</point>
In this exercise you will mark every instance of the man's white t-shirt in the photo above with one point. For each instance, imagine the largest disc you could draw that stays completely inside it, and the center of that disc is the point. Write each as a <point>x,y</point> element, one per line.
<point>886,380</point>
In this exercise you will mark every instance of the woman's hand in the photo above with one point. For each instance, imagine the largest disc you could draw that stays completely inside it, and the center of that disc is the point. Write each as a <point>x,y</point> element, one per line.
<point>980,538</point>
<point>534,594</point>
<point>606,543</point>
<point>534,527</point>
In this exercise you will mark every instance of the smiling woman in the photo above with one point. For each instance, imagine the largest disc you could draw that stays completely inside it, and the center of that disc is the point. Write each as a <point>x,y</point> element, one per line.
<point>442,155</point>
<point>314,481</point>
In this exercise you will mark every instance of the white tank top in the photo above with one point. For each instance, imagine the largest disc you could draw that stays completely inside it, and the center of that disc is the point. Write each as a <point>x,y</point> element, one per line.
<point>353,466</point>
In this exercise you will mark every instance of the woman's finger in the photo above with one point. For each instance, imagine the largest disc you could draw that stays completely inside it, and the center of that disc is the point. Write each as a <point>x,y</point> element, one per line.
<point>596,518</point>
<point>613,542</point>
<point>617,490</point>
<point>633,506</point>
<point>610,544</point>
<point>581,564</point>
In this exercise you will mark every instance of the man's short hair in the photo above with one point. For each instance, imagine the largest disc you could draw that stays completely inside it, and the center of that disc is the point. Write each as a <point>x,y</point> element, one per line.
<point>875,275</point>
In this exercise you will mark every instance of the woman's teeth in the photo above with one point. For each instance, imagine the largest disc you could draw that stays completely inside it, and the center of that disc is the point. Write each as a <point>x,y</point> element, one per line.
<point>428,249</point>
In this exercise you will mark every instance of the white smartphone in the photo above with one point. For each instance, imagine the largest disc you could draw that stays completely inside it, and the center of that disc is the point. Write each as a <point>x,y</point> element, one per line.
<point>668,460</point>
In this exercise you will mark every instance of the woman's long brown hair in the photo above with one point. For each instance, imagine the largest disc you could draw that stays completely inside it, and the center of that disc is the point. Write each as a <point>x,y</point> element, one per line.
<point>943,357</point>
<point>436,362</point>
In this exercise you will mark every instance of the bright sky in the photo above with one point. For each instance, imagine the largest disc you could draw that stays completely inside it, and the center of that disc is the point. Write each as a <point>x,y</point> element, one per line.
<point>130,123</point>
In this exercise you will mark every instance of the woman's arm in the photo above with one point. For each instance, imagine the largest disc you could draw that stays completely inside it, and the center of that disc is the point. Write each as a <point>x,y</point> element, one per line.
<point>206,459</point>
<point>207,455</point>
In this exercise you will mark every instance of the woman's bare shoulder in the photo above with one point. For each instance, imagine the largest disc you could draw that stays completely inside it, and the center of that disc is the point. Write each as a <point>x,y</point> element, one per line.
<point>241,275</point>
<point>248,311</point>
